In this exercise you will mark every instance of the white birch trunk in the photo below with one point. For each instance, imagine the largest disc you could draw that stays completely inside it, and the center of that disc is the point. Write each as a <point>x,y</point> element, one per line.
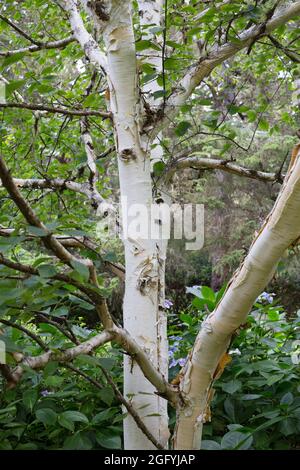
<point>280,230</point>
<point>150,12</point>
<point>142,259</point>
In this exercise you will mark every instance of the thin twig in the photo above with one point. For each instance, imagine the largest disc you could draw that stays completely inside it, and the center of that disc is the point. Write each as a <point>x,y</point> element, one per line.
<point>131,410</point>
<point>26,331</point>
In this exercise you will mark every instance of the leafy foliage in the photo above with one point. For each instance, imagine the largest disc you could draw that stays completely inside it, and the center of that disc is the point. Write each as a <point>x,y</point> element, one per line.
<point>257,399</point>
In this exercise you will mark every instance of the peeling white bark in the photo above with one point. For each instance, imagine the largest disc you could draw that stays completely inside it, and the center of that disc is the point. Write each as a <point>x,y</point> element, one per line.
<point>85,39</point>
<point>150,13</point>
<point>281,229</point>
<point>141,257</point>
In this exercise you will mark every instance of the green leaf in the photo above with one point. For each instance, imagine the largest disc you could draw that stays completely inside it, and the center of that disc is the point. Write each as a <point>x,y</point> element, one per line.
<point>107,362</point>
<point>232,386</point>
<point>27,446</point>
<point>46,416</point>
<point>12,59</point>
<point>13,86</point>
<point>39,232</point>
<point>66,423</point>
<point>156,29</point>
<point>269,423</point>
<point>288,426</point>
<point>106,395</point>
<point>79,441</point>
<point>62,311</point>
<point>171,64</point>
<point>210,445</point>
<point>47,270</point>
<point>103,416</point>
<point>250,396</point>
<point>30,398</point>
<point>54,381</point>
<point>204,102</point>
<point>274,378</point>
<point>82,269</point>
<point>185,318</point>
<point>8,243</point>
<point>208,293</point>
<point>159,168</point>
<point>182,128</point>
<point>237,440</point>
<point>252,115</point>
<point>144,44</point>
<point>229,407</point>
<point>263,125</point>
<point>287,399</point>
<point>158,94</point>
<point>108,441</point>
<point>75,416</point>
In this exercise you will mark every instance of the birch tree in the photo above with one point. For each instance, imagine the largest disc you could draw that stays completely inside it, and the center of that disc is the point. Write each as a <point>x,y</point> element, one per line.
<point>130,47</point>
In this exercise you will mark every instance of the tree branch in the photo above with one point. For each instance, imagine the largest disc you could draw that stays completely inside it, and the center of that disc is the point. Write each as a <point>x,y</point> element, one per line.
<point>19,30</point>
<point>38,362</point>
<point>224,165</point>
<point>86,40</point>
<point>91,161</point>
<point>60,44</point>
<point>61,184</point>
<point>290,54</point>
<point>131,410</point>
<point>24,268</point>
<point>117,334</point>
<point>204,66</point>
<point>76,242</point>
<point>164,389</point>
<point>51,109</point>
<point>48,239</point>
<point>26,331</point>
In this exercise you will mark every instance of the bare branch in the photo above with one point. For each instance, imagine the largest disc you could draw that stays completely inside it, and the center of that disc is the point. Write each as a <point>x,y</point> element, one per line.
<point>38,362</point>
<point>164,389</point>
<point>60,44</point>
<point>51,109</point>
<point>86,40</point>
<point>91,161</point>
<point>224,165</point>
<point>131,410</point>
<point>61,184</point>
<point>41,317</point>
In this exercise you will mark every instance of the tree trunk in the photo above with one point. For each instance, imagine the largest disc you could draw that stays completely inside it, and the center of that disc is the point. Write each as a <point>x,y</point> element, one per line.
<point>142,256</point>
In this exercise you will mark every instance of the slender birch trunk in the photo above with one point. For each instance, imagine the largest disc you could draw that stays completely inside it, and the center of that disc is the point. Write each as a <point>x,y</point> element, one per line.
<point>151,12</point>
<point>281,229</point>
<point>142,257</point>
